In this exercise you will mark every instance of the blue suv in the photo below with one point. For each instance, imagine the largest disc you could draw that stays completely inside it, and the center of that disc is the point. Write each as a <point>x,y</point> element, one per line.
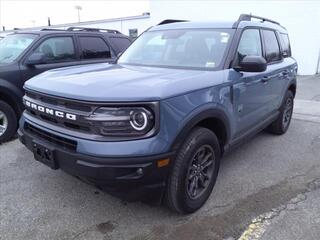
<point>155,124</point>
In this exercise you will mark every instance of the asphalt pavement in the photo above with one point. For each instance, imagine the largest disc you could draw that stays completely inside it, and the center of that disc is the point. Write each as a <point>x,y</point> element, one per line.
<point>268,188</point>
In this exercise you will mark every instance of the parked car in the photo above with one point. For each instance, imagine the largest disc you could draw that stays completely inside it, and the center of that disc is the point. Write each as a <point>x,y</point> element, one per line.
<point>28,53</point>
<point>155,124</point>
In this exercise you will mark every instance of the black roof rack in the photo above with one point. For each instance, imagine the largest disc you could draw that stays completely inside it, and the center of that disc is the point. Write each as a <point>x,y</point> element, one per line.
<point>92,29</point>
<point>248,17</point>
<point>52,29</point>
<point>167,21</point>
<point>83,29</point>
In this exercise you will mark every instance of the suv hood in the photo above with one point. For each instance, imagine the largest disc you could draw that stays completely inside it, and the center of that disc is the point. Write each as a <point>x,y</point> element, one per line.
<point>106,82</point>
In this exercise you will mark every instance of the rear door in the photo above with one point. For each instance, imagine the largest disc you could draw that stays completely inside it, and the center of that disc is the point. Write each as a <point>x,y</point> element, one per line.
<point>59,51</point>
<point>277,70</point>
<point>95,49</point>
<point>250,91</point>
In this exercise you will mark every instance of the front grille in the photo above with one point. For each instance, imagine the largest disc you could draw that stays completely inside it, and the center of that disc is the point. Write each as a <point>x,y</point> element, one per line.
<point>64,105</point>
<point>68,104</point>
<point>52,138</point>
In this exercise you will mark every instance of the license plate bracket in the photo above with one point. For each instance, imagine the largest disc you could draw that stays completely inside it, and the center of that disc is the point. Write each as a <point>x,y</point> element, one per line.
<point>44,155</point>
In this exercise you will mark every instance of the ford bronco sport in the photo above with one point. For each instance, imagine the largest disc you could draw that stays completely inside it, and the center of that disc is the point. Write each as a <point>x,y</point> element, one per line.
<point>155,124</point>
<point>28,53</point>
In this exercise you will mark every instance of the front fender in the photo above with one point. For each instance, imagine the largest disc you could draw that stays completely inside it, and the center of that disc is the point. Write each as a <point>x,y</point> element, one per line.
<point>209,110</point>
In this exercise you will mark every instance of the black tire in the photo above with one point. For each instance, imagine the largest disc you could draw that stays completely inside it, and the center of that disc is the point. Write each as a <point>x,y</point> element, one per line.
<point>11,119</point>
<point>179,195</point>
<point>281,124</point>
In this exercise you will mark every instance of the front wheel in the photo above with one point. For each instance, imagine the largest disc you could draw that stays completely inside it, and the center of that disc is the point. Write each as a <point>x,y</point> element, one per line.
<point>194,172</point>
<point>281,124</point>
<point>8,122</point>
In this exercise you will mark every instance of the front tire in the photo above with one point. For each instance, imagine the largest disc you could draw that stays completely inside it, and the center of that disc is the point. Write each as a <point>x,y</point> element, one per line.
<point>8,122</point>
<point>281,124</point>
<point>194,172</point>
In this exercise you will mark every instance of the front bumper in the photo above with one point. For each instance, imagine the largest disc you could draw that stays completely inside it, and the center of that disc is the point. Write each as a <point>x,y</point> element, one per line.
<point>131,178</point>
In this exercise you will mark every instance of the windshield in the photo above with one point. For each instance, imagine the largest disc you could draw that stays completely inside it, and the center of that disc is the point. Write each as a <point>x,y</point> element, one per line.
<point>13,45</point>
<point>183,48</point>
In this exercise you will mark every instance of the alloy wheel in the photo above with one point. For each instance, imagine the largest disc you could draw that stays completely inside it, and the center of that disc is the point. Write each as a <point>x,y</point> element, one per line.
<point>3,123</point>
<point>287,113</point>
<point>200,171</point>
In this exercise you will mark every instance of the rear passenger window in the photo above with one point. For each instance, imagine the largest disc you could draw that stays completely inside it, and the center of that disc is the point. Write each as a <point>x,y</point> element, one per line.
<point>250,44</point>
<point>271,45</point>
<point>285,43</point>
<point>94,47</point>
<point>120,43</point>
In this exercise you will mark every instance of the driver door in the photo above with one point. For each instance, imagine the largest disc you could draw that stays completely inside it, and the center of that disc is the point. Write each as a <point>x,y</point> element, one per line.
<point>58,51</point>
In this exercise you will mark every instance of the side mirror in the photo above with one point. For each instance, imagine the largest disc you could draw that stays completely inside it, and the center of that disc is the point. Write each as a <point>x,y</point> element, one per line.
<point>285,54</point>
<point>252,64</point>
<point>36,58</point>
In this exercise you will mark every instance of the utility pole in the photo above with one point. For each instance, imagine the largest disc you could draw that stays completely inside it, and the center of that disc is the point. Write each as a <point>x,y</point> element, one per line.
<point>78,8</point>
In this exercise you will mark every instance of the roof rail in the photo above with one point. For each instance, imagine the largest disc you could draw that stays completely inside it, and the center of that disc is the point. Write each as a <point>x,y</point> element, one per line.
<point>51,29</point>
<point>93,30</point>
<point>167,21</point>
<point>248,17</point>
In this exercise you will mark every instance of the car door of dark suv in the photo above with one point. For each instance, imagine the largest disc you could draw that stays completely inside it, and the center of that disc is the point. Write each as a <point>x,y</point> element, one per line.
<point>57,51</point>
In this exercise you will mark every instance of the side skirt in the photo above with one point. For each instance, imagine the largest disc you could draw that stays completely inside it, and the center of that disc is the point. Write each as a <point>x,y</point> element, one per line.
<point>249,134</point>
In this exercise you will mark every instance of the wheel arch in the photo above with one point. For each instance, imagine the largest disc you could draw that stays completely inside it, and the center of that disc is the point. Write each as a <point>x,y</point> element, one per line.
<point>11,95</point>
<point>293,88</point>
<point>213,119</point>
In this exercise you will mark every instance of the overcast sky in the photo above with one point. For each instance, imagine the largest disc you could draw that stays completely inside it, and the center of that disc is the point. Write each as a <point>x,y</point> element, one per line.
<point>25,13</point>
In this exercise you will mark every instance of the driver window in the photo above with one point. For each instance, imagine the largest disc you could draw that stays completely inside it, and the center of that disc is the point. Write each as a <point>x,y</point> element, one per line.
<point>250,44</point>
<point>57,49</point>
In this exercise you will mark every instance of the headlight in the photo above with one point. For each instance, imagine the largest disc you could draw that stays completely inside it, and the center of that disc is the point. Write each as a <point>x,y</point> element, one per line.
<point>139,120</point>
<point>123,121</point>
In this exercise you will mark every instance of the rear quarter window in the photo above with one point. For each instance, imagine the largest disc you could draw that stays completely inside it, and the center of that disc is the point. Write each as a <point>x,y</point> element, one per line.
<point>285,44</point>
<point>120,43</point>
<point>94,47</point>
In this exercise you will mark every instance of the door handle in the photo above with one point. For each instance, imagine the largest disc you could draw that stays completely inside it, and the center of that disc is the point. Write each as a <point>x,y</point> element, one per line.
<point>265,79</point>
<point>285,73</point>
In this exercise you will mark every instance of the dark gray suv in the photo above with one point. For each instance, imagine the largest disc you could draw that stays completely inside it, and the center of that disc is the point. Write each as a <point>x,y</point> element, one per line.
<point>28,53</point>
<point>155,124</point>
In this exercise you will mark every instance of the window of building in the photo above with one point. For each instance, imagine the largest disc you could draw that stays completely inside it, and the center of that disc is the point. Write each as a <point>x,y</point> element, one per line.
<point>133,33</point>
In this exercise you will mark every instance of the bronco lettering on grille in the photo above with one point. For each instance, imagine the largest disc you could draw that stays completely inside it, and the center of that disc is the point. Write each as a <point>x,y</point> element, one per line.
<point>51,111</point>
